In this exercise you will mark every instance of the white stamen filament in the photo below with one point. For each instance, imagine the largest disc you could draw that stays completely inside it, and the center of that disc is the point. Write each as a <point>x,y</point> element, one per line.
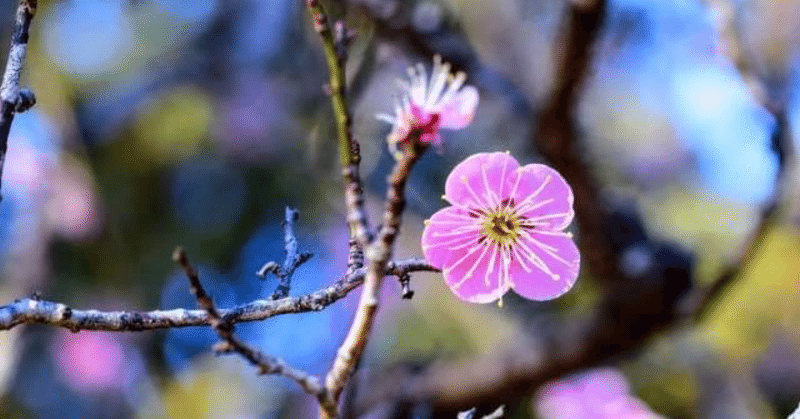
<point>457,241</point>
<point>478,200</point>
<point>455,84</point>
<point>516,183</point>
<point>459,231</point>
<point>506,265</point>
<point>549,216</point>
<point>530,207</point>
<point>535,259</point>
<point>469,253</point>
<point>551,251</point>
<point>493,199</point>
<point>520,257</point>
<point>503,177</point>
<point>472,269</point>
<point>491,263</point>
<point>535,193</point>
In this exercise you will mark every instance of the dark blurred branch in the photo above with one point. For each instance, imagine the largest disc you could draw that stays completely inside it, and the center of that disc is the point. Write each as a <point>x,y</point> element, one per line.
<point>784,150</point>
<point>348,146</point>
<point>266,364</point>
<point>557,136</point>
<point>377,255</point>
<point>12,97</point>
<point>36,311</point>
<point>292,260</point>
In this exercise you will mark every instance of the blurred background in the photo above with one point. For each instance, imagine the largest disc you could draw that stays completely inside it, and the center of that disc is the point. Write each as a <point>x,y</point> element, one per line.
<point>169,122</point>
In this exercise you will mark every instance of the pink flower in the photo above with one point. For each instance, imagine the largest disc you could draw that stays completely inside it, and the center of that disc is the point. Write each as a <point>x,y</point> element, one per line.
<point>90,361</point>
<point>504,230</point>
<point>598,394</point>
<point>427,105</point>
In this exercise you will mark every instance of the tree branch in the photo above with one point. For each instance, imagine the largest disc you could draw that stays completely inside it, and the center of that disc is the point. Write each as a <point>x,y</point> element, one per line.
<point>556,136</point>
<point>292,260</point>
<point>36,311</point>
<point>349,153</point>
<point>266,364</point>
<point>377,256</point>
<point>705,301</point>
<point>11,99</point>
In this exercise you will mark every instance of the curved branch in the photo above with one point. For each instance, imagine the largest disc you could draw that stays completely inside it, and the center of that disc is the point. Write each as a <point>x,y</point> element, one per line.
<point>36,311</point>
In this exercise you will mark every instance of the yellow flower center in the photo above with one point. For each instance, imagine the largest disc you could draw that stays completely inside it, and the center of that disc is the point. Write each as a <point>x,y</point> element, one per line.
<point>502,225</point>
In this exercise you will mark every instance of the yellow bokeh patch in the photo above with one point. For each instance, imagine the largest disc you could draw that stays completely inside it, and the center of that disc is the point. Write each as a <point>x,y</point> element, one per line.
<point>767,297</point>
<point>176,126</point>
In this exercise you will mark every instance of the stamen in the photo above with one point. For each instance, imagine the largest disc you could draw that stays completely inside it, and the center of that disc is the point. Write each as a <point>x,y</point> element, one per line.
<point>551,251</point>
<point>451,242</point>
<point>503,177</point>
<point>530,207</point>
<point>458,231</point>
<point>450,222</point>
<point>506,265</point>
<point>516,252</point>
<point>478,201</point>
<point>536,192</point>
<point>472,269</point>
<point>548,216</point>
<point>533,258</point>
<point>516,184</point>
<point>463,258</point>
<point>455,84</point>
<point>438,80</point>
<point>554,233</point>
<point>493,201</point>
<point>491,263</point>
<point>386,118</point>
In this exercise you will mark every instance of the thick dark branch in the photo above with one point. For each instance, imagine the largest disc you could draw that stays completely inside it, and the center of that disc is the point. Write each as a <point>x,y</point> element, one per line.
<point>36,311</point>
<point>11,101</point>
<point>557,136</point>
<point>266,364</point>
<point>784,150</point>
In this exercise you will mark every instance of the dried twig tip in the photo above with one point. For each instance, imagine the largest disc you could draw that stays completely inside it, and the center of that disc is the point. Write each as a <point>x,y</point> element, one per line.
<point>179,256</point>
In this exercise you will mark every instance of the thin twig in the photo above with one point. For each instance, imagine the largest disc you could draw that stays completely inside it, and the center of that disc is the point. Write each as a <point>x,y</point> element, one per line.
<point>266,364</point>
<point>10,99</point>
<point>377,256</point>
<point>37,311</point>
<point>292,260</point>
<point>349,152</point>
<point>470,414</point>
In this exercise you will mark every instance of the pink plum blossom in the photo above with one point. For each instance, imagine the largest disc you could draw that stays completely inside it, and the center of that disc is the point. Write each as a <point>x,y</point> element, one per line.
<point>599,394</point>
<point>430,104</point>
<point>503,231</point>
<point>90,361</point>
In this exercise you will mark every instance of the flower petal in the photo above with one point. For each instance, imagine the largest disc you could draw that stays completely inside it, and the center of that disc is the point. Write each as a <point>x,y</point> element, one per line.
<point>469,181</point>
<point>552,261</point>
<point>441,238</point>
<point>459,110</point>
<point>475,275</point>
<point>604,384</point>
<point>543,196</point>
